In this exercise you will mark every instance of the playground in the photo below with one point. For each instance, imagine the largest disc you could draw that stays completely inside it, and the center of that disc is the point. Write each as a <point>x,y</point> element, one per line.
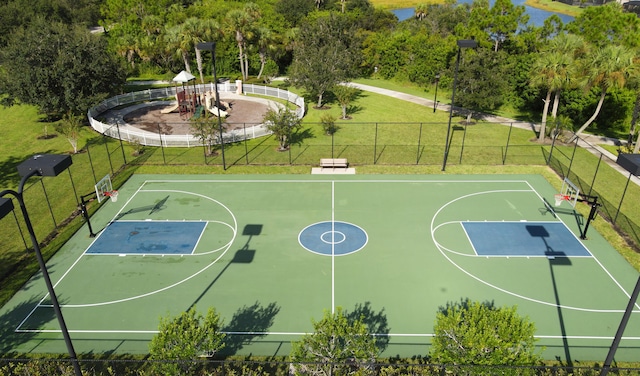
<point>150,116</point>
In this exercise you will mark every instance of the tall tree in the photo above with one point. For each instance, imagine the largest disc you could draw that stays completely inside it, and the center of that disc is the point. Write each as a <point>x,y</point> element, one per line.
<point>266,42</point>
<point>327,53</point>
<point>505,18</point>
<point>549,72</point>
<point>607,68</point>
<point>555,69</point>
<point>337,346</point>
<point>59,69</point>
<point>482,79</point>
<point>607,24</point>
<point>241,24</point>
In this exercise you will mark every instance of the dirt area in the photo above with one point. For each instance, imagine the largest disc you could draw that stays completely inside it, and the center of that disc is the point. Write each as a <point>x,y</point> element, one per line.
<point>148,118</point>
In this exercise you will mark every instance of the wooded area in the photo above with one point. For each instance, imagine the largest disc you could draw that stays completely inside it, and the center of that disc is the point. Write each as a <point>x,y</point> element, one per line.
<point>583,73</point>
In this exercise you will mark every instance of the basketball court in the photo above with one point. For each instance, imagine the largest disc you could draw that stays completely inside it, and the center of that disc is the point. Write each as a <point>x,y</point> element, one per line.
<point>271,253</point>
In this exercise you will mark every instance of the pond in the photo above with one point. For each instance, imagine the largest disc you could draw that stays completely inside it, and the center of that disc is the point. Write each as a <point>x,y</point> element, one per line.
<point>536,16</point>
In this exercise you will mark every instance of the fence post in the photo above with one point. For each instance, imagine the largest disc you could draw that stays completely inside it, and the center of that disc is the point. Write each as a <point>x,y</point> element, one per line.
<point>93,170</point>
<point>106,145</point>
<point>553,141</point>
<point>593,182</point>
<point>375,145</point>
<point>419,141</point>
<point>464,136</point>
<point>121,146</point>
<point>246,149</point>
<point>572,157</point>
<point>506,148</point>
<point>622,198</point>
<point>46,198</point>
<point>164,159</point>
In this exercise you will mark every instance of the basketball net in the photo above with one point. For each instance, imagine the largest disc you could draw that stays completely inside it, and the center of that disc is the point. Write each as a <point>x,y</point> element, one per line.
<point>113,195</point>
<point>559,198</point>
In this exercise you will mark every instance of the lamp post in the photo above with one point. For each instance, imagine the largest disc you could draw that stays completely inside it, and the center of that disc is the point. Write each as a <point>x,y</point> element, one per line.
<point>211,46</point>
<point>41,165</point>
<point>435,97</point>
<point>463,43</point>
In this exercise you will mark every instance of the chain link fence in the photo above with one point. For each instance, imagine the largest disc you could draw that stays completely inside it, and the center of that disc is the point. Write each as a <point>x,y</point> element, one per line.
<point>113,367</point>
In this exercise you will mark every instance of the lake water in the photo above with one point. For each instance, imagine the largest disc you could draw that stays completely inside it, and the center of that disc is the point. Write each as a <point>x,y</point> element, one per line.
<point>536,16</point>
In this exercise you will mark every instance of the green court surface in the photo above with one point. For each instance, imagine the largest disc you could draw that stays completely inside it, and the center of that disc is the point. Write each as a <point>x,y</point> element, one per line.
<point>271,253</point>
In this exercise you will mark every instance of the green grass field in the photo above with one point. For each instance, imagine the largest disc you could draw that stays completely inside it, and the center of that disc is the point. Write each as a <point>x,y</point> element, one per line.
<point>253,265</point>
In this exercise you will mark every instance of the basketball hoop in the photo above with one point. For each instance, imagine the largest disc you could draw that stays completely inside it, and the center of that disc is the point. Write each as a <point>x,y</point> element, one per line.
<point>559,198</point>
<point>113,195</point>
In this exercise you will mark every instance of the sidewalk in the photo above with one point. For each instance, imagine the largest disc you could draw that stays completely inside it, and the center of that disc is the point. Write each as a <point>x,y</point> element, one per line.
<point>590,143</point>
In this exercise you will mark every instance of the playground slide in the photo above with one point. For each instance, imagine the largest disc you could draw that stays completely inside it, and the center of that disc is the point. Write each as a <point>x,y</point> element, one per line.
<point>214,111</point>
<point>168,110</point>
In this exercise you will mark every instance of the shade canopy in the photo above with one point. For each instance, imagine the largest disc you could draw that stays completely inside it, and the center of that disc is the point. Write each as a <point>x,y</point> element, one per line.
<point>184,77</point>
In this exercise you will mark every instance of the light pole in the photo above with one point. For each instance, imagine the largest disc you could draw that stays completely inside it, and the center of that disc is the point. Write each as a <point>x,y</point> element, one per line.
<point>463,43</point>
<point>41,165</point>
<point>211,46</point>
<point>435,97</point>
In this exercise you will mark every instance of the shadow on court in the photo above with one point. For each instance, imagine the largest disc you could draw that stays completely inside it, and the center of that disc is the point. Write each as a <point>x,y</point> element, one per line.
<point>247,324</point>
<point>376,322</point>
<point>9,322</point>
<point>556,258</point>
<point>150,208</point>
<point>548,208</point>
<point>242,256</point>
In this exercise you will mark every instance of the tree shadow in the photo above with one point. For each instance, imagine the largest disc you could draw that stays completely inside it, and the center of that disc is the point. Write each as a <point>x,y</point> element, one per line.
<point>10,321</point>
<point>298,138</point>
<point>464,303</point>
<point>376,322</point>
<point>354,109</point>
<point>248,324</point>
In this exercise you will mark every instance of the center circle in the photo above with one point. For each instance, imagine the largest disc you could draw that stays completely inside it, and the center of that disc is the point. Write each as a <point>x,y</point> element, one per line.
<point>333,238</point>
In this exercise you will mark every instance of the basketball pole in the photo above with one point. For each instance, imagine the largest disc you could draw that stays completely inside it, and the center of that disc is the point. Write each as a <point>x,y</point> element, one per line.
<point>85,212</point>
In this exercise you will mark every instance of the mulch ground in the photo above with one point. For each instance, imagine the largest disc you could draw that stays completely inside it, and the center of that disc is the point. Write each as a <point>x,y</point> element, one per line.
<point>149,118</point>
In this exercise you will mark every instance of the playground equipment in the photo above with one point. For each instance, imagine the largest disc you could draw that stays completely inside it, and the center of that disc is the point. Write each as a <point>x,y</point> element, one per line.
<point>188,99</point>
<point>210,104</point>
<point>172,108</point>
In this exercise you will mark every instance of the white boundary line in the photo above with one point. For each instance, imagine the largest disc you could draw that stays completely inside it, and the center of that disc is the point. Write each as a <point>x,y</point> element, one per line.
<point>439,246</point>
<point>228,246</point>
<point>442,249</point>
<point>333,247</point>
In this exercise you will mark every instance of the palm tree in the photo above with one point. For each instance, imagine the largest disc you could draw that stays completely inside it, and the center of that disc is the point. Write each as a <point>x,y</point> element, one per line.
<point>550,71</point>
<point>241,23</point>
<point>181,45</point>
<point>421,11</point>
<point>555,70</point>
<point>265,40</point>
<point>609,67</point>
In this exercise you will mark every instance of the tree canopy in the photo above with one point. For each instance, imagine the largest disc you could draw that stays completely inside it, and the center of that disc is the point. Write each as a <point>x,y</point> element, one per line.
<point>327,53</point>
<point>473,333</point>
<point>337,346</point>
<point>184,339</point>
<point>59,69</point>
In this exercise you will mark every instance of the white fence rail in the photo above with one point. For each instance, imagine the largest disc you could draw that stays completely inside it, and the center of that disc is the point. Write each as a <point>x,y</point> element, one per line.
<point>158,139</point>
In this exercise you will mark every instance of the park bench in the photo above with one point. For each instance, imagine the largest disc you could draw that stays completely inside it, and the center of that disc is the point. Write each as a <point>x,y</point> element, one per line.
<point>334,163</point>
